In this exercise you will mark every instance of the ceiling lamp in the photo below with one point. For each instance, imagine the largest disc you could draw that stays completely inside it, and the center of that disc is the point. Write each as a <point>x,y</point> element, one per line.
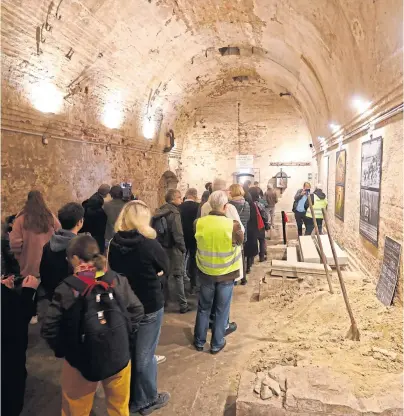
<point>46,97</point>
<point>360,105</point>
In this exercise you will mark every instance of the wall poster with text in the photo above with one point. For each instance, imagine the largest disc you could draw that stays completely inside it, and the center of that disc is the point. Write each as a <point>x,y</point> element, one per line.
<point>371,172</point>
<point>340,172</point>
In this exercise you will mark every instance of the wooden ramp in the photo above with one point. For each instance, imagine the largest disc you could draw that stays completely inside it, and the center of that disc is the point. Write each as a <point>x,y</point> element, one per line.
<point>309,250</point>
<point>341,254</point>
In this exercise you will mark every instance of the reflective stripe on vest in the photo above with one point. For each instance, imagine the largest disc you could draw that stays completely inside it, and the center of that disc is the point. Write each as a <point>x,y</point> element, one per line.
<point>318,205</point>
<point>216,254</point>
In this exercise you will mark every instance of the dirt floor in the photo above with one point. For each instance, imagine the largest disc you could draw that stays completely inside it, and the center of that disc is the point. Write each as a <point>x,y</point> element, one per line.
<point>303,325</point>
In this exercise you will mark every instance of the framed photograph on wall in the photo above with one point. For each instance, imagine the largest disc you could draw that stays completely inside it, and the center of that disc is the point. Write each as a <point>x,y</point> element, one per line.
<point>340,173</point>
<point>371,172</point>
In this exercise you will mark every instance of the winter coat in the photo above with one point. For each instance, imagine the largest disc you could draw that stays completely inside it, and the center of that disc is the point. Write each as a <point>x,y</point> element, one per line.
<point>140,259</point>
<point>16,312</point>
<point>112,209</point>
<point>173,217</point>
<point>189,213</point>
<point>27,245</point>
<point>243,210</point>
<point>9,264</point>
<point>54,266</point>
<point>271,198</point>
<point>95,219</point>
<point>58,316</point>
<point>251,246</point>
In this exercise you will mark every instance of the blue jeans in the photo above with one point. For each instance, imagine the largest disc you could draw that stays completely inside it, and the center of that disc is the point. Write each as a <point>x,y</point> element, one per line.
<point>143,385</point>
<point>222,293</point>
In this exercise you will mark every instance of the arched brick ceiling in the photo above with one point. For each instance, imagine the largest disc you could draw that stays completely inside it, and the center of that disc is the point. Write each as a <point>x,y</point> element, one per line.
<point>162,57</point>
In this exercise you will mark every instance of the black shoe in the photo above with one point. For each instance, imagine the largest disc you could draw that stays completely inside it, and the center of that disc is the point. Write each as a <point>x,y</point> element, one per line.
<point>243,282</point>
<point>248,271</point>
<point>161,401</point>
<point>220,349</point>
<point>185,309</point>
<point>200,349</point>
<point>231,328</point>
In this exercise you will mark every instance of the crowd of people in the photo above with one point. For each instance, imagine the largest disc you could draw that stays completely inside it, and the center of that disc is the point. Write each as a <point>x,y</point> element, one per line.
<point>102,269</point>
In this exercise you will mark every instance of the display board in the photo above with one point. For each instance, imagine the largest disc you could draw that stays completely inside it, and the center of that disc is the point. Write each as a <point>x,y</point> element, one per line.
<point>371,172</point>
<point>244,162</point>
<point>340,173</point>
<point>387,283</point>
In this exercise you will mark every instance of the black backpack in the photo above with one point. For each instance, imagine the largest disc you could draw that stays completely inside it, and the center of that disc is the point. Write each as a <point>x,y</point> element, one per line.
<point>99,339</point>
<point>163,233</point>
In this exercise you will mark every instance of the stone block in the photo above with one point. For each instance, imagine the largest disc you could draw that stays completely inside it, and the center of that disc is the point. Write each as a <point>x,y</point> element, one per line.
<point>308,250</point>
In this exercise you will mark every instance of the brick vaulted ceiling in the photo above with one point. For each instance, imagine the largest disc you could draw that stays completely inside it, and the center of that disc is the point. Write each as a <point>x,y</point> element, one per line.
<point>159,58</point>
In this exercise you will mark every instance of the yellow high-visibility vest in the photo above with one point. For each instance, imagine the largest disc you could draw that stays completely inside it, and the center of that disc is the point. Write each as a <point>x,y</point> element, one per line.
<point>318,205</point>
<point>216,254</point>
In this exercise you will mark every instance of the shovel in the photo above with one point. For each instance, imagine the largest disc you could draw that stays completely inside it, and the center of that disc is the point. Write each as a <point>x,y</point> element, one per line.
<point>353,333</point>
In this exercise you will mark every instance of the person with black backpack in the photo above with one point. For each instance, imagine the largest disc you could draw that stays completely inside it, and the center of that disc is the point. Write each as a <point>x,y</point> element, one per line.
<point>168,225</point>
<point>91,323</point>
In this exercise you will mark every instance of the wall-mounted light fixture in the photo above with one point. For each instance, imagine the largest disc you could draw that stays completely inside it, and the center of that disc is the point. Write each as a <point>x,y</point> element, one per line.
<point>360,104</point>
<point>46,97</point>
<point>334,127</point>
<point>112,116</point>
<point>148,128</point>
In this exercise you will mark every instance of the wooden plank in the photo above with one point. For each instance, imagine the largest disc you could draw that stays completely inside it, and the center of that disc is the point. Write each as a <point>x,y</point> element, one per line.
<point>291,255</point>
<point>341,254</point>
<point>308,250</point>
<point>299,266</point>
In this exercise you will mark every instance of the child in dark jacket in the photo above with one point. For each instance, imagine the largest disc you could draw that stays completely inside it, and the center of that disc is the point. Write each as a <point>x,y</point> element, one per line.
<point>54,267</point>
<point>63,323</point>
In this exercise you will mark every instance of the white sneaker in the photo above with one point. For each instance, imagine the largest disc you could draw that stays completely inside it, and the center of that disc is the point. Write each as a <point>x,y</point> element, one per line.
<point>34,320</point>
<point>160,359</point>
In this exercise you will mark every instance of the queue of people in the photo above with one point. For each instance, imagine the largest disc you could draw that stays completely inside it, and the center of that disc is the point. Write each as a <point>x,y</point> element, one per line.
<point>102,269</point>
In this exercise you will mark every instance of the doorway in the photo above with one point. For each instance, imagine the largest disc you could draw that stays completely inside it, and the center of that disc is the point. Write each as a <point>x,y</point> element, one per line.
<point>167,181</point>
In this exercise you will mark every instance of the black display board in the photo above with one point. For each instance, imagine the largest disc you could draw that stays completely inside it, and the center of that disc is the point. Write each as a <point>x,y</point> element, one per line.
<point>387,283</point>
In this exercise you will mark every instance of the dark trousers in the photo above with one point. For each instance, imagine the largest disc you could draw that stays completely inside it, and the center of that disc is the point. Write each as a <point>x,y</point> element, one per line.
<point>310,225</point>
<point>300,220</point>
<point>262,244</point>
<point>192,269</point>
<point>249,262</point>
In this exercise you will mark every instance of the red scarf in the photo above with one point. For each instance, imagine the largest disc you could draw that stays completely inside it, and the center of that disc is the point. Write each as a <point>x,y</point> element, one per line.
<point>261,224</point>
<point>86,273</point>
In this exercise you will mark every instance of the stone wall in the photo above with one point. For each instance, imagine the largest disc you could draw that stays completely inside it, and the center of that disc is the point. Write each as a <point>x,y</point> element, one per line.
<point>391,200</point>
<point>71,171</point>
<point>270,128</point>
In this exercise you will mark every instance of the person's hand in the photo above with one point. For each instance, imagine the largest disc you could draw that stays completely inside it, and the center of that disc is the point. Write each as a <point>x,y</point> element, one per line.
<point>160,273</point>
<point>9,282</point>
<point>31,281</point>
<point>303,192</point>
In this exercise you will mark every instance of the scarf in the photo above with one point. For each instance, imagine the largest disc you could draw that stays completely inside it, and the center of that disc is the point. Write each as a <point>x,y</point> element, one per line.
<point>87,273</point>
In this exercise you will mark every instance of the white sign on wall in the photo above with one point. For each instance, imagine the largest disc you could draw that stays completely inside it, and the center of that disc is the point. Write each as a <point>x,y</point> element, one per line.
<point>244,162</point>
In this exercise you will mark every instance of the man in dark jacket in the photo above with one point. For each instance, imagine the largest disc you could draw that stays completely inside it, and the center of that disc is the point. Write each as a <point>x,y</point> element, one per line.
<point>54,267</point>
<point>189,213</point>
<point>113,209</point>
<point>176,249</point>
<point>95,219</point>
<point>16,312</point>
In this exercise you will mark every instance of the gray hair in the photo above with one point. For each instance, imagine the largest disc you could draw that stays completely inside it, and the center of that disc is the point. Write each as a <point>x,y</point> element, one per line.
<point>170,195</point>
<point>269,186</point>
<point>218,200</point>
<point>191,192</point>
<point>219,185</point>
<point>319,186</point>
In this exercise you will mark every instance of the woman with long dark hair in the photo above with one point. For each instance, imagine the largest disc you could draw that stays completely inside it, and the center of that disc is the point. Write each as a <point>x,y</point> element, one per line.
<point>32,229</point>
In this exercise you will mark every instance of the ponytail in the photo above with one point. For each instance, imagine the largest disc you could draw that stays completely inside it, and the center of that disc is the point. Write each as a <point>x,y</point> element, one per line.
<point>86,249</point>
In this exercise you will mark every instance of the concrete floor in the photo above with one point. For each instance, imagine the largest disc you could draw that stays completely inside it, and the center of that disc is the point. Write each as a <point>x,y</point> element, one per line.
<point>199,383</point>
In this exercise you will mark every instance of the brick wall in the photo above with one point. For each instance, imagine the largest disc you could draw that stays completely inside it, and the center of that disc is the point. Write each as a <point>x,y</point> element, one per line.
<point>270,128</point>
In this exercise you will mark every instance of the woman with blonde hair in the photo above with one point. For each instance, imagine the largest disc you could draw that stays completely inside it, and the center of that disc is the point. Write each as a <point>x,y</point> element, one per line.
<point>135,252</point>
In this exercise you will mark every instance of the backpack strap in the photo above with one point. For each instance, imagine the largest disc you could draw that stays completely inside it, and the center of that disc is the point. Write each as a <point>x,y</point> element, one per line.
<point>109,277</point>
<point>76,284</point>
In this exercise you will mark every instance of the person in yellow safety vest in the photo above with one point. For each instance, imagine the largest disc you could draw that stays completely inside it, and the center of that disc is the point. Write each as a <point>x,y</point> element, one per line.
<point>219,260</point>
<point>319,201</point>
